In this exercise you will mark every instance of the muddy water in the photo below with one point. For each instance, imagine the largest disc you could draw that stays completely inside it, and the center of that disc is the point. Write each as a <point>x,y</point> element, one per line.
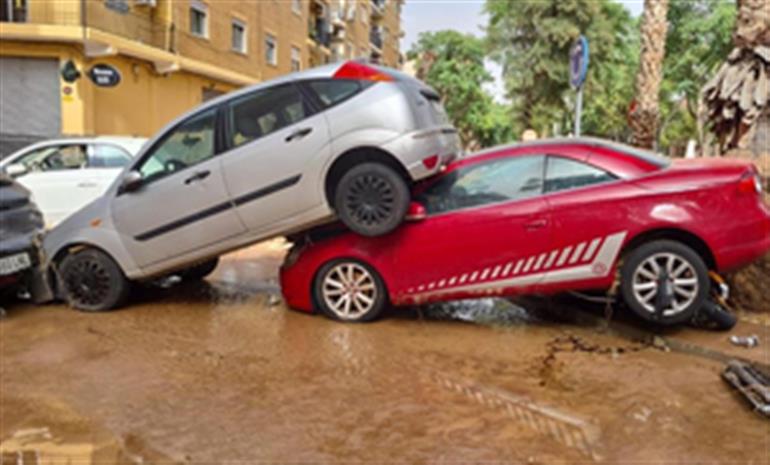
<point>222,372</point>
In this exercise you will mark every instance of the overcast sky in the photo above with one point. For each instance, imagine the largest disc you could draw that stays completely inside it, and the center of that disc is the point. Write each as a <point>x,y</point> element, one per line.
<point>461,15</point>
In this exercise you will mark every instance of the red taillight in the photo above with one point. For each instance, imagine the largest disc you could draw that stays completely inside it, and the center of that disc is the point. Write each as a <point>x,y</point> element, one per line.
<point>750,183</point>
<point>355,70</point>
<point>430,162</point>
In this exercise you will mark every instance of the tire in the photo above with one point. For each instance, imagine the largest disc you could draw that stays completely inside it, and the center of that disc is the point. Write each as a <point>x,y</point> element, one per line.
<point>369,296</point>
<point>372,199</point>
<point>91,281</point>
<point>640,283</point>
<point>713,316</point>
<point>199,271</point>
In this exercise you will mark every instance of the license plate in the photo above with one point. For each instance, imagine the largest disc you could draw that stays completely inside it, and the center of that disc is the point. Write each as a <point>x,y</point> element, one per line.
<point>14,263</point>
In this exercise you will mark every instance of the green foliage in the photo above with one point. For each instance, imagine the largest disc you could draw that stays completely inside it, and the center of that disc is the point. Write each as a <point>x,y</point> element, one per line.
<point>699,39</point>
<point>531,40</point>
<point>457,72</point>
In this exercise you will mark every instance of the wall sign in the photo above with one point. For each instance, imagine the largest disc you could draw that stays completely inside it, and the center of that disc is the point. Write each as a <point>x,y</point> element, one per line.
<point>104,75</point>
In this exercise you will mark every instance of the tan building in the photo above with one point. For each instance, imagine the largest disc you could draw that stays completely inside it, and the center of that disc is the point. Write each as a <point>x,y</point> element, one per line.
<point>159,58</point>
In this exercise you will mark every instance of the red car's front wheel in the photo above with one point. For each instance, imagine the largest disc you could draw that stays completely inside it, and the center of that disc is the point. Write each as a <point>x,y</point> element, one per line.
<point>350,291</point>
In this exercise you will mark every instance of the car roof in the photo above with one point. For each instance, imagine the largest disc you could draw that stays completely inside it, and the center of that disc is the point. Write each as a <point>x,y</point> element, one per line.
<point>647,155</point>
<point>128,143</point>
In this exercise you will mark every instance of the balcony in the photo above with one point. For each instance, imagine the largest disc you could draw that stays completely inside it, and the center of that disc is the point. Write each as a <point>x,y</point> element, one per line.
<point>378,8</point>
<point>319,31</point>
<point>375,38</point>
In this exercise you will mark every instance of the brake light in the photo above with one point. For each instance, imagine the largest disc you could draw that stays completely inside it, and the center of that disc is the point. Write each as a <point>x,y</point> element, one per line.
<point>750,183</point>
<point>359,71</point>
<point>430,162</point>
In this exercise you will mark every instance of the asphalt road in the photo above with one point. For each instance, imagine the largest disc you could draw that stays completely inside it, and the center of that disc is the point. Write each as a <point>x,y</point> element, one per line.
<point>221,371</point>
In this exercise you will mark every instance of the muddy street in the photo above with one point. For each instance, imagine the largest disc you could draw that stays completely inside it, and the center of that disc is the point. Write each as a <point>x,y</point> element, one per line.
<point>222,372</point>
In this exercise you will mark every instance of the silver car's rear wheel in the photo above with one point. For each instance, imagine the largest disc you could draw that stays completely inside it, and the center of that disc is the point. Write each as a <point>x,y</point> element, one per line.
<point>347,290</point>
<point>372,199</point>
<point>664,281</point>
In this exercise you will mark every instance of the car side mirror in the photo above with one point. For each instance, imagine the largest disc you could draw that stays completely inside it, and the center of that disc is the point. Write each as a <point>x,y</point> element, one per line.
<point>416,212</point>
<point>15,170</point>
<point>131,181</point>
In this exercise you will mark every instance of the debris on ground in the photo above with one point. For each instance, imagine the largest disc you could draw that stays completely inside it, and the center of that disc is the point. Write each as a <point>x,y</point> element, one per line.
<point>751,382</point>
<point>745,341</point>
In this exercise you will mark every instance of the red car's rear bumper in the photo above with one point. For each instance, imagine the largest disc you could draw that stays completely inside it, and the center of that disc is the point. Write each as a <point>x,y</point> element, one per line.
<point>751,241</point>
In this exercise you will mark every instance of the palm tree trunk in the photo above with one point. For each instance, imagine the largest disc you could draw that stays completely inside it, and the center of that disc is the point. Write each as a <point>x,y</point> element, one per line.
<point>645,114</point>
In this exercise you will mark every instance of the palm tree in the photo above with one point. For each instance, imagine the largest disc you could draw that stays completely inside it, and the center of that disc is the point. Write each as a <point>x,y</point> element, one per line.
<point>645,112</point>
<point>737,99</point>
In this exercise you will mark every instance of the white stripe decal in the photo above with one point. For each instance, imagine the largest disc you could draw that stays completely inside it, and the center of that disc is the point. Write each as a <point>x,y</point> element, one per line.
<point>507,268</point>
<point>463,278</point>
<point>591,248</point>
<point>564,255</point>
<point>473,276</point>
<point>606,256</point>
<point>551,259</point>
<point>453,280</point>
<point>442,283</point>
<point>528,265</point>
<point>539,262</point>
<point>518,266</point>
<point>496,272</point>
<point>484,274</point>
<point>578,251</point>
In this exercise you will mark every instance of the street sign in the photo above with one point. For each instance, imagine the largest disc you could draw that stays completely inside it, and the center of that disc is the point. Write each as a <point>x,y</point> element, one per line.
<point>578,62</point>
<point>578,68</point>
<point>104,75</point>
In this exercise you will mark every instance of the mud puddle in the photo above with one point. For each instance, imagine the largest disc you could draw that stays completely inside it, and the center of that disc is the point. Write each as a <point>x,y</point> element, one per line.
<point>220,371</point>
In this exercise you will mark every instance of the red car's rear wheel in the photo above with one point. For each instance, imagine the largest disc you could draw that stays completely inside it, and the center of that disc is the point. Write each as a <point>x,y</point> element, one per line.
<point>350,291</point>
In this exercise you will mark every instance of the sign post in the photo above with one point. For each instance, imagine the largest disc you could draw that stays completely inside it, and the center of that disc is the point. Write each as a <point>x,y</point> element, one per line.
<point>578,67</point>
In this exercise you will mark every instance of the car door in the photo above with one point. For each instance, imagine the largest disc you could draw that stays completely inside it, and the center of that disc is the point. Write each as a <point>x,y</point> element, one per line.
<point>54,173</point>
<point>274,137</point>
<point>487,231</point>
<point>182,203</point>
<point>587,211</point>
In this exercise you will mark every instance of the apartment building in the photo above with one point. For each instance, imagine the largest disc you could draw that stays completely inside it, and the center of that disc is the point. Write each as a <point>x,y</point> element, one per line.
<point>128,67</point>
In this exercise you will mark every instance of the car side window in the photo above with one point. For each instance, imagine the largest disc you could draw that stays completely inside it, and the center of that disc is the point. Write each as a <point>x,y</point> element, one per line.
<point>108,156</point>
<point>263,112</point>
<point>191,142</point>
<point>333,91</point>
<point>56,158</point>
<point>502,180</point>
<point>564,173</point>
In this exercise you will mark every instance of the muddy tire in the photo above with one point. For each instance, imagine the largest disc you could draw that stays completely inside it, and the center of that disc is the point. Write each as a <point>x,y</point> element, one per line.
<point>350,291</point>
<point>372,199</point>
<point>665,282</point>
<point>199,271</point>
<point>91,281</point>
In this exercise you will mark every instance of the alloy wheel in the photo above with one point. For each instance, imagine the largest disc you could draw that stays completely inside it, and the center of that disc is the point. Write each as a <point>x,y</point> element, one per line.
<point>665,283</point>
<point>349,291</point>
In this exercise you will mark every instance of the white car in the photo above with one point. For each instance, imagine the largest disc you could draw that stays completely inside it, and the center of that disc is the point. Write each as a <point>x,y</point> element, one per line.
<point>65,175</point>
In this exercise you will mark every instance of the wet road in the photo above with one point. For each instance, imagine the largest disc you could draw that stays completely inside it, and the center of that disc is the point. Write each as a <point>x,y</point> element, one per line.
<point>220,372</point>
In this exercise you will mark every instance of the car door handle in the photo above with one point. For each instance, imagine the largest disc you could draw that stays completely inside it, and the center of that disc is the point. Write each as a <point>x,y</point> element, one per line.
<point>87,184</point>
<point>539,223</point>
<point>198,176</point>
<point>298,134</point>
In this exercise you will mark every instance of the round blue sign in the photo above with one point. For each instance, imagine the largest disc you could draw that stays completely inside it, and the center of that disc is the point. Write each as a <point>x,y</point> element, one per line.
<point>578,62</point>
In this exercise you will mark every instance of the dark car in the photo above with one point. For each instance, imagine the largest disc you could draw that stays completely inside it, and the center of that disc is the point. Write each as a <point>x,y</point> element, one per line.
<point>21,226</point>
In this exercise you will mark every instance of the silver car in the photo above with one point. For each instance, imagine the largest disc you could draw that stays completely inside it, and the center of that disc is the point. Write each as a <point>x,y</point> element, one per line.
<point>344,140</point>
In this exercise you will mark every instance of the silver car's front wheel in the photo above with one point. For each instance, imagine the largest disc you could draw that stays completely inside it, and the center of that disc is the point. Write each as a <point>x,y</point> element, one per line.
<point>349,291</point>
<point>664,281</point>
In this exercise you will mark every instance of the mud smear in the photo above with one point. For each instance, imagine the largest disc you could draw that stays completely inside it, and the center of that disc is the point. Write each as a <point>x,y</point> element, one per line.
<point>220,371</point>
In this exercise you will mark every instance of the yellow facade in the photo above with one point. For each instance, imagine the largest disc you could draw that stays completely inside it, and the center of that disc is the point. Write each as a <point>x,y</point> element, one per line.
<point>166,68</point>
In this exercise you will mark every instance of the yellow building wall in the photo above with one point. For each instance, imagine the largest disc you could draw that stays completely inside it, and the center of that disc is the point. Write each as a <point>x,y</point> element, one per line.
<point>142,103</point>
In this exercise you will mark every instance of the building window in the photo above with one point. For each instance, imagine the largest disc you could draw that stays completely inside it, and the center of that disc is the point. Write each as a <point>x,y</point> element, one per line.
<point>296,6</point>
<point>271,50</point>
<point>13,11</point>
<point>239,36</point>
<point>296,59</point>
<point>199,19</point>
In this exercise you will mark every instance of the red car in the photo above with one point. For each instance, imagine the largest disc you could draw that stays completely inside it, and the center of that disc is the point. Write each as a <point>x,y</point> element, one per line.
<point>544,218</point>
